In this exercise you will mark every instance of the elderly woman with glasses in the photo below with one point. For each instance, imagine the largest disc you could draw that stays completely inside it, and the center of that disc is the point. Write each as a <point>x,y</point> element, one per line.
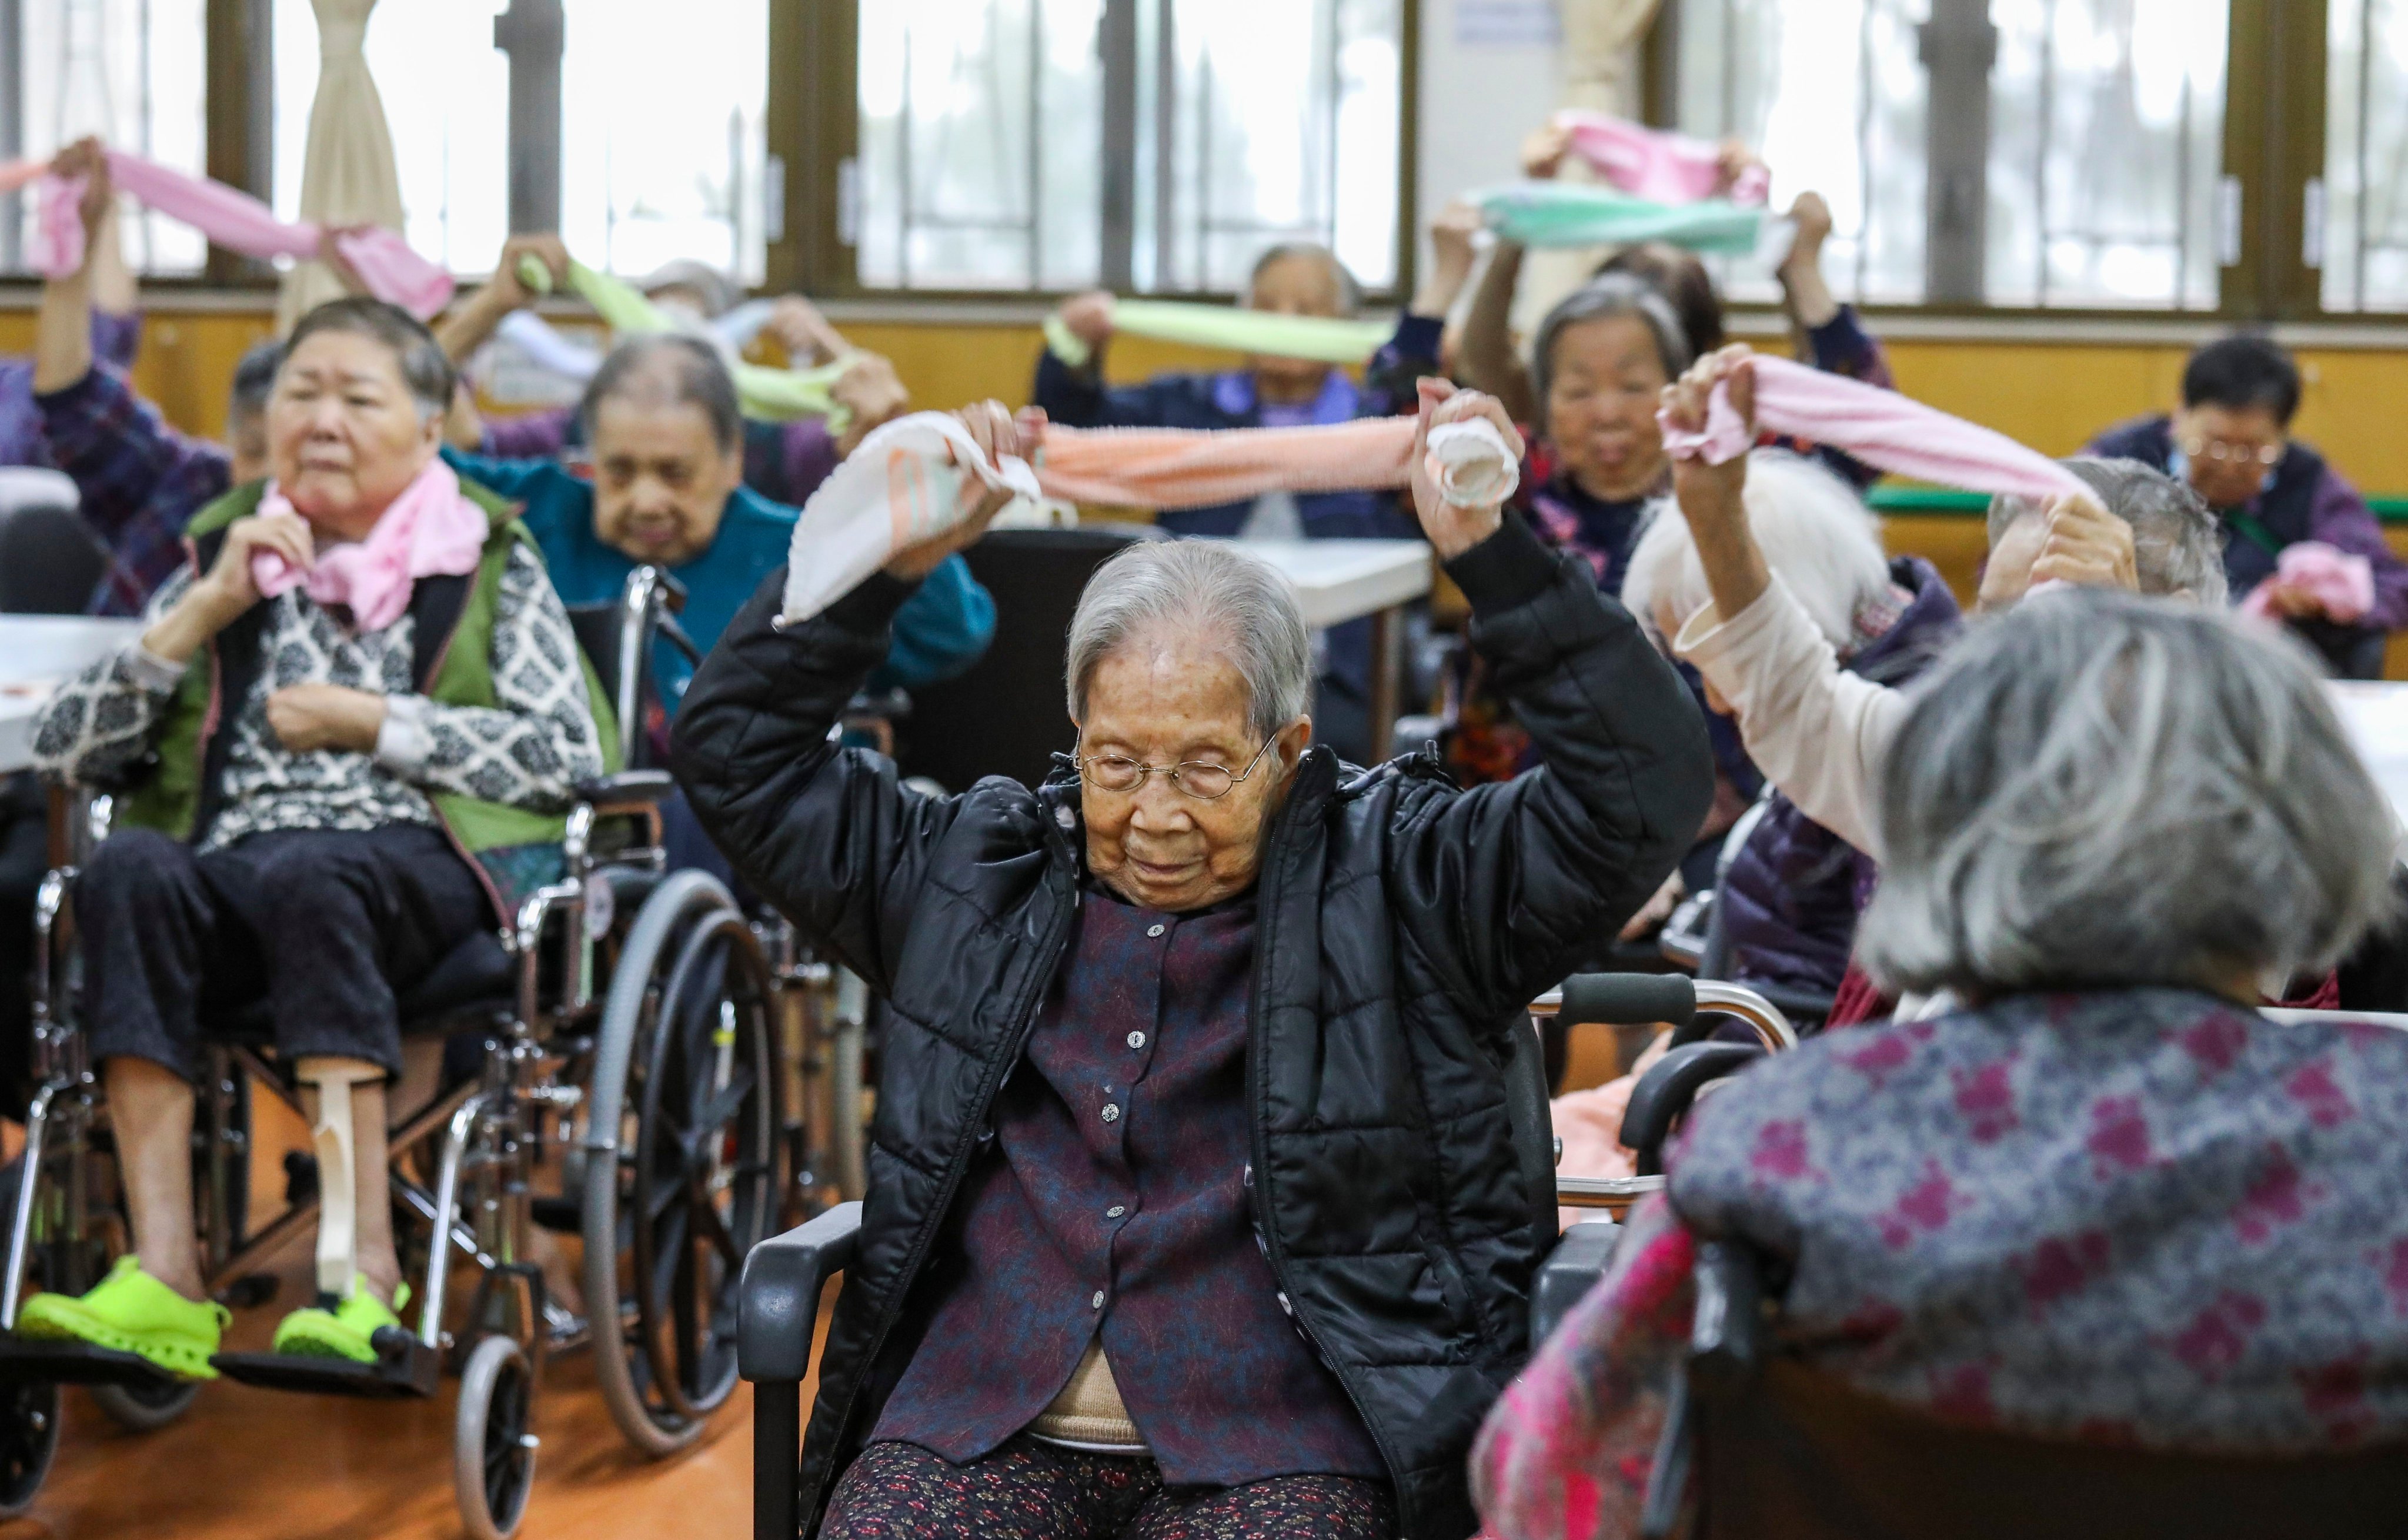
<point>1193,1206</point>
<point>2104,1198</point>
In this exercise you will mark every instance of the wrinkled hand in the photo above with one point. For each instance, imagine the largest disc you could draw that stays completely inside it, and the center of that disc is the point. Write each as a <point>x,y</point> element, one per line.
<point>871,390</point>
<point>88,158</point>
<point>997,433</point>
<point>307,718</point>
<point>1089,317</point>
<point>1544,149</point>
<point>1709,494</point>
<point>2085,545</point>
<point>330,254</point>
<point>1734,158</point>
<point>802,330</point>
<point>1452,530</point>
<point>2294,603</point>
<point>506,290</point>
<point>1813,217</point>
<point>1452,233</point>
<point>1656,910</point>
<point>228,589</point>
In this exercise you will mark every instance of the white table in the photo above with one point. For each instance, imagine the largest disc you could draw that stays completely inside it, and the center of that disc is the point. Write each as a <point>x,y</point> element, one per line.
<point>1340,581</point>
<point>2375,714</point>
<point>36,652</point>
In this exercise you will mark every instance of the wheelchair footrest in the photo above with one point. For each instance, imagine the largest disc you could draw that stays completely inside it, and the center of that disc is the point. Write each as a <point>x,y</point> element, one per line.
<point>78,1363</point>
<point>405,1367</point>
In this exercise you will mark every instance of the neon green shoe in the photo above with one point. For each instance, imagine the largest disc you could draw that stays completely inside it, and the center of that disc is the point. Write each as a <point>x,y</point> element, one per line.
<point>132,1312</point>
<point>346,1330</point>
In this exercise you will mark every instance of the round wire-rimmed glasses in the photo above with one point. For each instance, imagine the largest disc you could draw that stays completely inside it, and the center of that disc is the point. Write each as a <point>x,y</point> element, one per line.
<point>1200,779</point>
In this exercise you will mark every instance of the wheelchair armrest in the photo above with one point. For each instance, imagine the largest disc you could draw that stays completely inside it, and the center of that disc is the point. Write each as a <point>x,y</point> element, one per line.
<point>1577,1261</point>
<point>778,1299</point>
<point>1727,1333</point>
<point>627,786</point>
<point>1666,1091</point>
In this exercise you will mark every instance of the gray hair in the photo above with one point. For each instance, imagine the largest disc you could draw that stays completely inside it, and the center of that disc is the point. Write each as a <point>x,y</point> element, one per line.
<point>717,293</point>
<point>1610,294</point>
<point>1814,533</point>
<point>2177,541</point>
<point>2096,790</point>
<point>1198,587</point>
<point>1350,291</point>
<point>416,355</point>
<point>668,369</point>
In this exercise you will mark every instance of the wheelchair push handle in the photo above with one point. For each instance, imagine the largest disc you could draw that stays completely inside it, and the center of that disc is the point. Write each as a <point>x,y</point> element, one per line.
<point>1621,999</point>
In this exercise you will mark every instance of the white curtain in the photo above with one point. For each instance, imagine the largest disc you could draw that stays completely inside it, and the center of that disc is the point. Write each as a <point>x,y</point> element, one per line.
<point>1601,73</point>
<point>347,173</point>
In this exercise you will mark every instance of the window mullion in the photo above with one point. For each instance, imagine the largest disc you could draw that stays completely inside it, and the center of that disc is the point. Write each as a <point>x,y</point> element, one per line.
<point>1959,46</point>
<point>534,33</point>
<point>1116,43</point>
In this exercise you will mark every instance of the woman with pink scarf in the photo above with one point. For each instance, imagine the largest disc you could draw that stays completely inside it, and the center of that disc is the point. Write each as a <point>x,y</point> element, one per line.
<point>325,751</point>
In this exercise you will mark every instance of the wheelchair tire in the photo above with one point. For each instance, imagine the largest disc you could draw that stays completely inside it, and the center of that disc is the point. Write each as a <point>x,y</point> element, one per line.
<point>493,1442</point>
<point>29,1441</point>
<point>143,1408</point>
<point>689,1007</point>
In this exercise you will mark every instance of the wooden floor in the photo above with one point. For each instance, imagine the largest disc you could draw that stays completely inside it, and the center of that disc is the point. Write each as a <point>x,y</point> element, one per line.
<point>260,1465</point>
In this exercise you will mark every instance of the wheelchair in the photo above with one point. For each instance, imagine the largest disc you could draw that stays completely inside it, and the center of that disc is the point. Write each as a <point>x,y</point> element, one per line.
<point>784,1276</point>
<point>613,1073</point>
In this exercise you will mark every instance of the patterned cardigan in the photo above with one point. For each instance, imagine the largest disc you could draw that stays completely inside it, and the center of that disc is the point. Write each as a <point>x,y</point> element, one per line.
<point>2142,1216</point>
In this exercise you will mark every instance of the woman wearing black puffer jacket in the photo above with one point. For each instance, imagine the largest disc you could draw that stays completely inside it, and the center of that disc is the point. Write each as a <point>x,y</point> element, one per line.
<point>1193,1204</point>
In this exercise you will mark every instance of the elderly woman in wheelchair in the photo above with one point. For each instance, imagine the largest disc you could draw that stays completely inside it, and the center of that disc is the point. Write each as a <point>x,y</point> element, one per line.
<point>2104,1199</point>
<point>1194,1202</point>
<point>351,720</point>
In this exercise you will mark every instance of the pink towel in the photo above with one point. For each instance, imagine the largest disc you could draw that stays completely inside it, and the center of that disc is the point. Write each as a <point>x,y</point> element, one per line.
<point>431,530</point>
<point>1651,163</point>
<point>1195,468</point>
<point>2342,582</point>
<point>1881,428</point>
<point>15,175</point>
<point>239,222</point>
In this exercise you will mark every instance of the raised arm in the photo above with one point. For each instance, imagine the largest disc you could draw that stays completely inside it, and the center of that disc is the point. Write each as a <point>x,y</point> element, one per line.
<point>63,353</point>
<point>1507,884</point>
<point>826,833</point>
<point>1486,354</point>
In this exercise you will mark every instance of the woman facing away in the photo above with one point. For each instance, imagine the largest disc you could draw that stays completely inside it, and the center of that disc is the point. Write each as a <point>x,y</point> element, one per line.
<point>2106,1199</point>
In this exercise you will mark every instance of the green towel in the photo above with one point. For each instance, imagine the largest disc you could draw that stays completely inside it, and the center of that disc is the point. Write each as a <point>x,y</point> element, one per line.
<point>1585,214</point>
<point>766,395</point>
<point>1322,338</point>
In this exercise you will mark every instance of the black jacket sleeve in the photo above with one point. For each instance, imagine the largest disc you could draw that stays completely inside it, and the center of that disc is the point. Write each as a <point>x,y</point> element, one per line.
<point>824,833</point>
<point>1505,887</point>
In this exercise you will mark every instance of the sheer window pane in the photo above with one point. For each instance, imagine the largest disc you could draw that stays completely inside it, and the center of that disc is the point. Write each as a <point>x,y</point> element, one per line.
<point>1256,122</point>
<point>979,126</point>
<point>132,72</point>
<point>2366,157</point>
<point>446,98</point>
<point>2106,144</point>
<point>662,148</point>
<point>1281,123</point>
<point>1832,94</point>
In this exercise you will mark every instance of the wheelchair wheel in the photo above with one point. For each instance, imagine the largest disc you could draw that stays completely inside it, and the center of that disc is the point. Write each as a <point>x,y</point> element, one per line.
<point>29,1441</point>
<point>682,1170</point>
<point>493,1442</point>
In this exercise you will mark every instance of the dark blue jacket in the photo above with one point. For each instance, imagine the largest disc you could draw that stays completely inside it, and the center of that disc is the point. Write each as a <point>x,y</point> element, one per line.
<point>1790,898</point>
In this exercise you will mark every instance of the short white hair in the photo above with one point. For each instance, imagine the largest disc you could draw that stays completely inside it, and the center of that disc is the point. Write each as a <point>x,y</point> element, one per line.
<point>1817,536</point>
<point>1207,589</point>
<point>2098,790</point>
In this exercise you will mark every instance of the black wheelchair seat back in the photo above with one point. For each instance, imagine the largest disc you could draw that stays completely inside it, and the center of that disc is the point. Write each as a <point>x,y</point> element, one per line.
<point>1783,1450</point>
<point>49,561</point>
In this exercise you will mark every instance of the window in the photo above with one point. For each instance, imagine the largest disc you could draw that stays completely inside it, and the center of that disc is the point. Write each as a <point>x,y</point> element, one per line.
<point>2006,107</point>
<point>1832,95</point>
<point>446,95</point>
<point>128,70</point>
<point>661,141</point>
<point>2365,235</point>
<point>985,161</point>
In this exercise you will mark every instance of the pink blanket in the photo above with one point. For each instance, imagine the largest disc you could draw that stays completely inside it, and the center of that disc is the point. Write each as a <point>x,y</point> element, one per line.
<point>1881,428</point>
<point>239,222</point>
<point>1651,163</point>
<point>430,530</point>
<point>2343,583</point>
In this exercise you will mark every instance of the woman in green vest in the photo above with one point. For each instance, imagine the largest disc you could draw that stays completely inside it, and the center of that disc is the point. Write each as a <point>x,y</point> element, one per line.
<point>350,730</point>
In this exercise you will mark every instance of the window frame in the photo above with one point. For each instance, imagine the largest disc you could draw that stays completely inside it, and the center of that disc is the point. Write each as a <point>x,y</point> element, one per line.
<point>814,125</point>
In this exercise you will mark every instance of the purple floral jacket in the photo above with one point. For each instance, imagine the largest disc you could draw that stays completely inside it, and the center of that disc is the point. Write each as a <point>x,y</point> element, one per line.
<point>2141,1216</point>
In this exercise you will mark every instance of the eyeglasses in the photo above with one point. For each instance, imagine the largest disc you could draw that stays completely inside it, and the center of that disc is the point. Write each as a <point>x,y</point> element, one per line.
<point>2264,456</point>
<point>1200,779</point>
